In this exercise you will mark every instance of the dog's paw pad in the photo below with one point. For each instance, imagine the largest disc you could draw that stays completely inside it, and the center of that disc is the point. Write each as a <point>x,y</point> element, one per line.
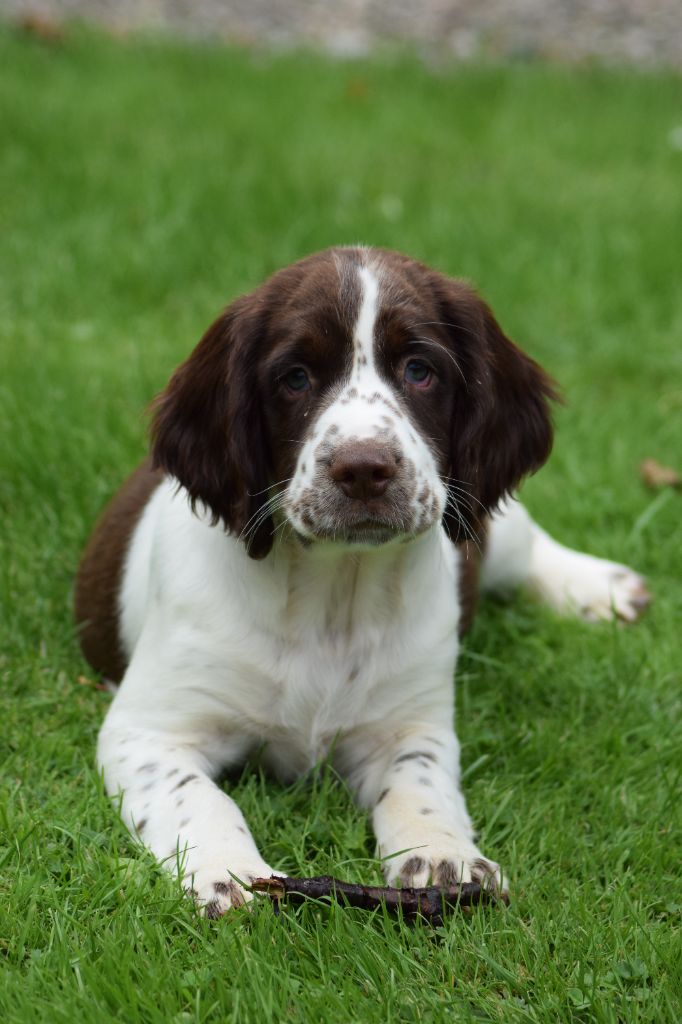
<point>448,868</point>
<point>487,873</point>
<point>217,890</point>
<point>412,871</point>
<point>227,896</point>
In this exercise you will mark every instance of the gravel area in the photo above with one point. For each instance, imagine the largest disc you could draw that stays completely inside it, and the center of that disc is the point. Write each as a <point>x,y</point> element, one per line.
<point>646,32</point>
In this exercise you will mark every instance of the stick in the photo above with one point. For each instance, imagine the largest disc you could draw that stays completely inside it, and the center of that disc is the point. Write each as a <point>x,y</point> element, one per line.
<point>429,902</point>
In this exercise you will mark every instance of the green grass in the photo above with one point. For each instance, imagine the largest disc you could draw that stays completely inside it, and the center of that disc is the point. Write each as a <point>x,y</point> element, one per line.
<point>141,187</point>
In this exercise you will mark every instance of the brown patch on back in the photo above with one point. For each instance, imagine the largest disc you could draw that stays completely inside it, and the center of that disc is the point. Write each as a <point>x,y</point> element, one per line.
<point>99,577</point>
<point>471,556</point>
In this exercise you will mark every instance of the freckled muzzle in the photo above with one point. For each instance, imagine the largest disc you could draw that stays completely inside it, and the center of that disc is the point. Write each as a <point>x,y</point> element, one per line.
<point>369,486</point>
<point>361,490</point>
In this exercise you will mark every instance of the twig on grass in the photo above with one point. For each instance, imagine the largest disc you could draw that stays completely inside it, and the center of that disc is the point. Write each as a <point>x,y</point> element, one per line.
<point>430,902</point>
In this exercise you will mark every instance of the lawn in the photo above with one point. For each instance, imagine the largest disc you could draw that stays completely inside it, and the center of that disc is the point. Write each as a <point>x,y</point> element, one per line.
<point>142,186</point>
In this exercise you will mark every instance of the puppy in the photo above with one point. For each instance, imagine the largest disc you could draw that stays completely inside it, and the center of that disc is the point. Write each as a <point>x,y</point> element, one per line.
<point>292,568</point>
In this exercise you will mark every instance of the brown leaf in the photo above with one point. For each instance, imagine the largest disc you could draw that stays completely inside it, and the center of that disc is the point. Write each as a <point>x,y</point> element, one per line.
<point>655,475</point>
<point>85,681</point>
<point>42,26</point>
<point>357,89</point>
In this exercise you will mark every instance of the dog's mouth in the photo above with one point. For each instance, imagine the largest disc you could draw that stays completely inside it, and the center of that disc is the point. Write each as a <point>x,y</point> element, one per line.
<point>366,536</point>
<point>371,532</point>
<point>359,528</point>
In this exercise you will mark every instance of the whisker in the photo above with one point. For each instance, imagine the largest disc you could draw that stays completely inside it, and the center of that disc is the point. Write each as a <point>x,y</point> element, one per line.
<point>265,508</point>
<point>458,499</point>
<point>282,526</point>
<point>278,483</point>
<point>467,483</point>
<point>262,513</point>
<point>453,510</point>
<point>469,535</point>
<point>462,491</point>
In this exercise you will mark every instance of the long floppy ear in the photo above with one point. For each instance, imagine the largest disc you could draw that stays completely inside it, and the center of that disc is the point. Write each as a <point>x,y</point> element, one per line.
<point>207,428</point>
<point>501,423</point>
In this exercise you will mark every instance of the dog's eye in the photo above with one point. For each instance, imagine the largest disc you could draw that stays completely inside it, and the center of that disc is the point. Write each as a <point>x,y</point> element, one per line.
<point>297,379</point>
<point>418,373</point>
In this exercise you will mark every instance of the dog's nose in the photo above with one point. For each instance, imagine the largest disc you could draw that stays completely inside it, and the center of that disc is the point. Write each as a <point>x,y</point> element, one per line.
<point>363,471</point>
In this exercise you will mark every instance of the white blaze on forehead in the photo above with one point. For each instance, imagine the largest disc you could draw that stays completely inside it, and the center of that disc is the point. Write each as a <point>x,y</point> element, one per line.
<point>363,335</point>
<point>365,406</point>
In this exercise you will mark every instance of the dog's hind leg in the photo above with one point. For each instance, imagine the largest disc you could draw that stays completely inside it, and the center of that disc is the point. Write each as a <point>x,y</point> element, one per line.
<point>520,554</point>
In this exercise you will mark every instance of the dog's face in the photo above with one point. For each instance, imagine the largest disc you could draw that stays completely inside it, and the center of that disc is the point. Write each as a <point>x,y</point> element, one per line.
<point>362,393</point>
<point>358,396</point>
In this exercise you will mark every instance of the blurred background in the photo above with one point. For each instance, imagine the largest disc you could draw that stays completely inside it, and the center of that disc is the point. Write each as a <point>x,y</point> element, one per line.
<point>642,31</point>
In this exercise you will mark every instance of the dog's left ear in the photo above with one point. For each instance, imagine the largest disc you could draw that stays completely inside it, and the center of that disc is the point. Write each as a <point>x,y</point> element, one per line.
<point>501,422</point>
<point>208,430</point>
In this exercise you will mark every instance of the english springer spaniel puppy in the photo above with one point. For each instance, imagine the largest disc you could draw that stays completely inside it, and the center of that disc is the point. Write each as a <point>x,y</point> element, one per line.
<point>292,569</point>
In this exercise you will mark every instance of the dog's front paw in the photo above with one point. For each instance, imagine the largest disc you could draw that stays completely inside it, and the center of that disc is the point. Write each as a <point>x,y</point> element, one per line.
<point>217,891</point>
<point>444,862</point>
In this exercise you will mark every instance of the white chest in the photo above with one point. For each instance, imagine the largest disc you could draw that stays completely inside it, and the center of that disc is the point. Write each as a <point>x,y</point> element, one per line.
<point>350,642</point>
<point>293,651</point>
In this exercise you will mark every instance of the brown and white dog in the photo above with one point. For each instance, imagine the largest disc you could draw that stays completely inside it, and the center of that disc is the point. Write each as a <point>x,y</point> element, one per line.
<point>293,568</point>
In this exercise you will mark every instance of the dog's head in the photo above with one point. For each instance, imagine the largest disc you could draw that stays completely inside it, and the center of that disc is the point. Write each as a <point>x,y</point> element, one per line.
<point>360,397</point>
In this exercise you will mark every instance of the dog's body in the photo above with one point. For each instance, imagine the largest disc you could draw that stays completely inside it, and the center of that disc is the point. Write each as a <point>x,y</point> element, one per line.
<point>294,573</point>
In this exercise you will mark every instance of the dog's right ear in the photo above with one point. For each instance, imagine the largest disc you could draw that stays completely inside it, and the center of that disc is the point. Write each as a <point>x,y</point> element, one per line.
<point>208,431</point>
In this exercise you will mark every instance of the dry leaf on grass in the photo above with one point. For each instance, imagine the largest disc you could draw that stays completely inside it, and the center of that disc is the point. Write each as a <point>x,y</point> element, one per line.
<point>655,475</point>
<point>86,681</point>
<point>42,26</point>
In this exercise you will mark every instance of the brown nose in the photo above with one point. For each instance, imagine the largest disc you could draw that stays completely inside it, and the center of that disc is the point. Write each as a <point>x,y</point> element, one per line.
<point>363,471</point>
